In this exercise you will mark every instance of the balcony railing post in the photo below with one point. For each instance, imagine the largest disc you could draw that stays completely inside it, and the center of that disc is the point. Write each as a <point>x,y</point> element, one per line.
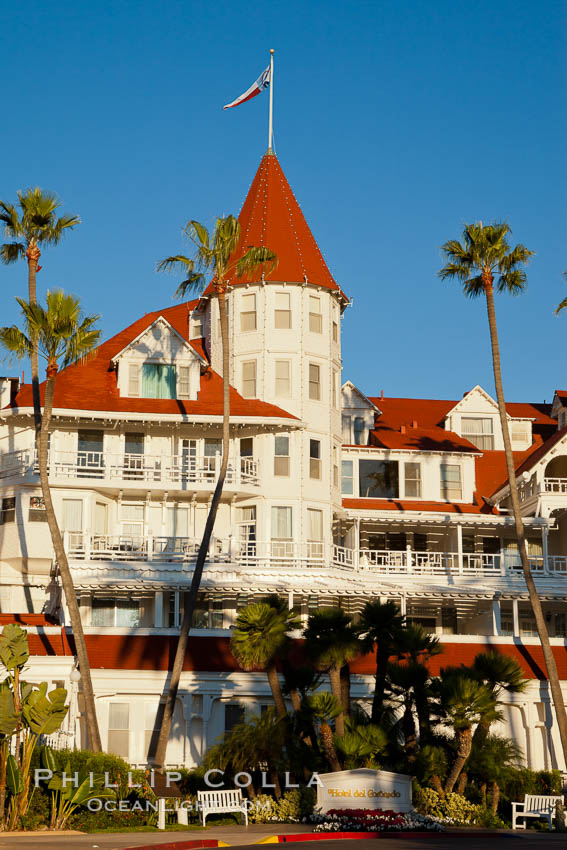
<point>87,545</point>
<point>150,548</point>
<point>409,565</point>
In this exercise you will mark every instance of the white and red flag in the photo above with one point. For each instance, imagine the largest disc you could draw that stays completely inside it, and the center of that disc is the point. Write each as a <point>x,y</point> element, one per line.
<point>261,83</point>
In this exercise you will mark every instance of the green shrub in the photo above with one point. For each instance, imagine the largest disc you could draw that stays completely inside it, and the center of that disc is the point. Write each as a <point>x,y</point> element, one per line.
<point>88,821</point>
<point>453,808</point>
<point>294,806</point>
<point>39,811</point>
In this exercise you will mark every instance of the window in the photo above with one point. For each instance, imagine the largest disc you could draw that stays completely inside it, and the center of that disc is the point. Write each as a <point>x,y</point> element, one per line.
<point>359,430</point>
<point>183,387</point>
<point>314,459</point>
<point>90,460</point>
<point>133,380</point>
<point>335,331</point>
<point>233,715</point>
<point>314,382</point>
<point>412,480</point>
<point>119,729</point>
<point>314,533</point>
<point>521,433</point>
<point>150,717</point>
<point>8,510</point>
<point>100,518</point>
<point>37,509</point>
<point>133,455</point>
<point>281,455</point>
<point>378,478</point>
<point>283,378</point>
<point>248,313</point>
<point>177,521</point>
<point>478,431</point>
<point>315,317</point>
<point>72,515</point>
<point>196,326</point>
<point>345,426</point>
<point>347,475</point>
<point>491,545</point>
<point>115,612</point>
<point>249,379</point>
<point>282,315</point>
<point>281,523</point>
<point>451,486</point>
<point>420,542</point>
<point>158,380</point>
<point>246,446</point>
<point>132,517</point>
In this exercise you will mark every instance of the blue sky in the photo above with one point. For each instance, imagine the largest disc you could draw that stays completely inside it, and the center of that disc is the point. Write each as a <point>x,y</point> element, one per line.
<point>395,123</point>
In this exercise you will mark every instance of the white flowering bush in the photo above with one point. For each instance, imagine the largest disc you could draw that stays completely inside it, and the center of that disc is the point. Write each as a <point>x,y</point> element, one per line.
<point>373,820</point>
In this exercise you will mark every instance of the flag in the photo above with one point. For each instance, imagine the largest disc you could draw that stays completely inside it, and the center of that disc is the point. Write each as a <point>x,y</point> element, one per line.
<point>261,83</point>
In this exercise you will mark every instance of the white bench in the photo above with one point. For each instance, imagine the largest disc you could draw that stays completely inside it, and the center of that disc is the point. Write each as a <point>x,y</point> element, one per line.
<point>221,802</point>
<point>535,806</point>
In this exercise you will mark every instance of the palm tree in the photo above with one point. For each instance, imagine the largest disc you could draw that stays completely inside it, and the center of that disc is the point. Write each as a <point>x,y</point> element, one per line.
<point>361,745</point>
<point>418,647</point>
<point>482,261</point>
<point>463,702</point>
<point>36,224</point>
<point>61,335</point>
<point>325,707</point>
<point>259,638</point>
<point>563,304</point>
<point>220,255</point>
<point>499,673</point>
<point>380,626</point>
<point>405,681</point>
<point>491,762</point>
<point>330,643</point>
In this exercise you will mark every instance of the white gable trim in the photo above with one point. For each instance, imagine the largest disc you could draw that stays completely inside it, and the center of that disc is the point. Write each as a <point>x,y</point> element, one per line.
<point>351,386</point>
<point>483,393</point>
<point>159,320</point>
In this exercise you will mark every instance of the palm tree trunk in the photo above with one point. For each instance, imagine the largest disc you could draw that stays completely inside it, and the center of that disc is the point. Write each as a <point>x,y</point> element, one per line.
<point>276,689</point>
<point>382,656</point>
<point>329,746</point>
<point>33,254</point>
<point>295,698</point>
<point>345,688</point>
<point>190,600</point>
<point>65,573</point>
<point>410,737</point>
<point>464,745</point>
<point>462,783</point>
<point>551,666</point>
<point>495,789</point>
<point>481,733</point>
<point>335,680</point>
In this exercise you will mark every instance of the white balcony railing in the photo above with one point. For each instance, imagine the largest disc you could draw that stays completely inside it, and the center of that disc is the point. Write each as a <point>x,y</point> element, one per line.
<point>288,554</point>
<point>181,470</point>
<point>555,485</point>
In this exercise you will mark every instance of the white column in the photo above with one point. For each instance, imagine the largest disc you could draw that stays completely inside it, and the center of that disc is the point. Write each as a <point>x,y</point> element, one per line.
<point>408,558</point>
<point>403,605</point>
<point>356,542</point>
<point>496,618</point>
<point>515,618</point>
<point>460,548</point>
<point>158,609</point>
<point>545,548</point>
<point>176,609</point>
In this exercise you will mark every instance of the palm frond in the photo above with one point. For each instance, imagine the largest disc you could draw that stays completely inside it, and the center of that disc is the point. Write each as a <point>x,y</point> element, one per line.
<point>171,264</point>
<point>562,306</point>
<point>12,223</point>
<point>11,252</point>
<point>197,233</point>
<point>15,342</point>
<point>256,258</point>
<point>193,283</point>
<point>452,269</point>
<point>517,256</point>
<point>474,287</point>
<point>513,282</point>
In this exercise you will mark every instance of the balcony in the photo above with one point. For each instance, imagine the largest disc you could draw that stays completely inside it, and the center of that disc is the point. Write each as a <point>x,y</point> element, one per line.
<point>176,471</point>
<point>409,562</point>
<point>555,485</point>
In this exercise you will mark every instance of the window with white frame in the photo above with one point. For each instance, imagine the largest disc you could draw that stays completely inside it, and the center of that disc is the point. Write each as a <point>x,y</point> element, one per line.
<point>249,379</point>
<point>8,513</point>
<point>451,482</point>
<point>347,477</point>
<point>479,431</point>
<point>112,611</point>
<point>314,532</point>
<point>282,527</point>
<point>314,382</point>
<point>282,314</point>
<point>335,331</point>
<point>359,430</point>
<point>119,729</point>
<point>521,433</point>
<point>281,455</point>
<point>72,515</point>
<point>177,521</point>
<point>412,480</point>
<point>283,378</point>
<point>315,317</point>
<point>346,429</point>
<point>197,324</point>
<point>183,387</point>
<point>248,312</point>
<point>134,373</point>
<point>315,459</point>
<point>132,522</point>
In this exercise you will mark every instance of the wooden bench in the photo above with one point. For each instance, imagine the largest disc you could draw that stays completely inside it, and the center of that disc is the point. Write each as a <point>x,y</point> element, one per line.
<point>221,802</point>
<point>535,806</point>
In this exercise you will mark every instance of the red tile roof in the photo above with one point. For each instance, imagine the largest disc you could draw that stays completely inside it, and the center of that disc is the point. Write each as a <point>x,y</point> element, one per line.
<point>430,413</point>
<point>271,217</point>
<point>420,439</point>
<point>401,505</point>
<point>541,451</point>
<point>92,385</point>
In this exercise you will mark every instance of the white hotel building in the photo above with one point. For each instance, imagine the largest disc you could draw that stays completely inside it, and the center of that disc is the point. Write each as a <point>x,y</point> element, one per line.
<point>332,498</point>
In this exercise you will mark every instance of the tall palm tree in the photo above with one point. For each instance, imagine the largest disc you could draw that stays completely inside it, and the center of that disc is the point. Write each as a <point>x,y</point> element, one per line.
<point>259,638</point>
<point>406,680</point>
<point>499,673</point>
<point>219,254</point>
<point>324,707</point>
<point>380,627</point>
<point>331,642</point>
<point>463,702</point>
<point>61,336</point>
<point>563,304</point>
<point>482,262</point>
<point>37,223</point>
<point>418,647</point>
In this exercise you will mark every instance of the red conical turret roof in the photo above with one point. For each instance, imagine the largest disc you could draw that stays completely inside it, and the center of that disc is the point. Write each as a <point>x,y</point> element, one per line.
<point>271,217</point>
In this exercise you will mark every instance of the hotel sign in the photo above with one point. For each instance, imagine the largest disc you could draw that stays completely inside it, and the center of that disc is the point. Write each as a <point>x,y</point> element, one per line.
<point>364,789</point>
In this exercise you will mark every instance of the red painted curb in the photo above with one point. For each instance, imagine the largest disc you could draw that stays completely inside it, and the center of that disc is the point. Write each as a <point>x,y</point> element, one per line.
<point>178,845</point>
<point>408,833</point>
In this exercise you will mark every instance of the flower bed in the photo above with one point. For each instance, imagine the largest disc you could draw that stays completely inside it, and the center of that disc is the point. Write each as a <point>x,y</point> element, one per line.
<point>373,820</point>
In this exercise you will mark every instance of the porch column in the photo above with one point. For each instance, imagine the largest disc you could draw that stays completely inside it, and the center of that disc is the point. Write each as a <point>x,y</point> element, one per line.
<point>408,558</point>
<point>545,549</point>
<point>356,542</point>
<point>515,618</point>
<point>496,618</point>
<point>403,605</point>
<point>460,548</point>
<point>176,618</point>
<point>158,609</point>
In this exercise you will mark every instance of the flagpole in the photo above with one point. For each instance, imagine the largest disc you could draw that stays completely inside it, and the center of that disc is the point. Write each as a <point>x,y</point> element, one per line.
<point>271,120</point>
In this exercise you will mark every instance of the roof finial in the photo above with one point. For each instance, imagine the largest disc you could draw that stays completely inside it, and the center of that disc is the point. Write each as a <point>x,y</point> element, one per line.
<point>271,113</point>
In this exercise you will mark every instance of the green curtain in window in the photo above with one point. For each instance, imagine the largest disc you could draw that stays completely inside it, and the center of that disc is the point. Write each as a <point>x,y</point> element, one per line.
<point>158,380</point>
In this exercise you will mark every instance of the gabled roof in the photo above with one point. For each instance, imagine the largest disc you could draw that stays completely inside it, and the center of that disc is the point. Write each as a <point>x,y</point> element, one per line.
<point>479,390</point>
<point>92,385</point>
<point>271,217</point>
<point>541,451</point>
<point>160,320</point>
<point>361,395</point>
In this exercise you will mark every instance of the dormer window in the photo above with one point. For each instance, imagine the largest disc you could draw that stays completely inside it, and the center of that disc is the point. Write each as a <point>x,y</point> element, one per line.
<point>158,380</point>
<point>196,331</point>
<point>479,431</point>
